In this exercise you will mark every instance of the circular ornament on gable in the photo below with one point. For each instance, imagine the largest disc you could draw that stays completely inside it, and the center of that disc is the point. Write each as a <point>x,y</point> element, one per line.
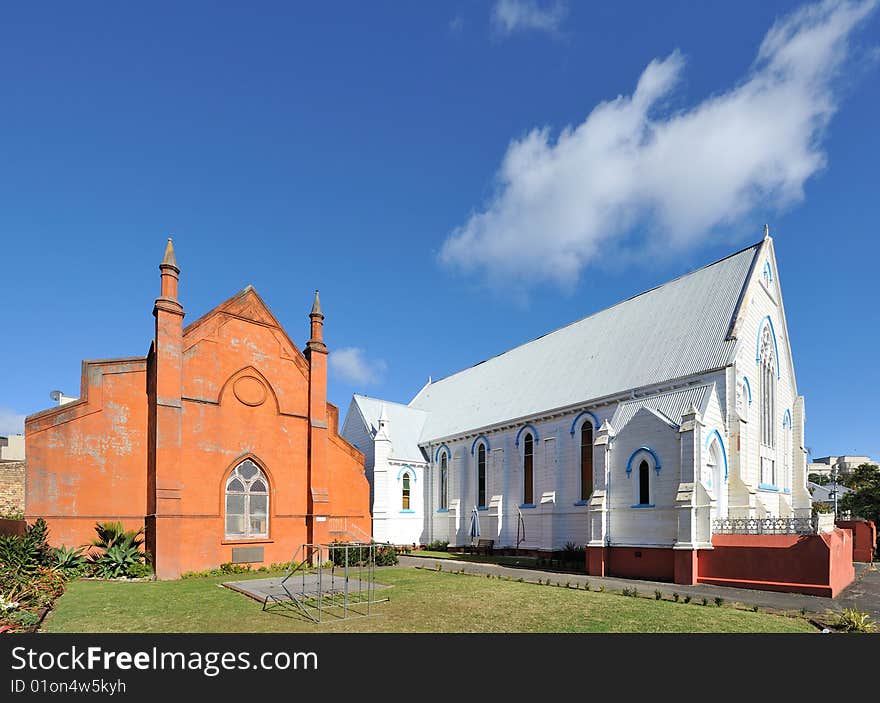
<point>249,390</point>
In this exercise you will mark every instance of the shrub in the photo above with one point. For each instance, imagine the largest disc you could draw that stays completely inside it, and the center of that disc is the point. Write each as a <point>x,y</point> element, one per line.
<point>26,553</point>
<point>386,556</point>
<point>754,608</point>
<point>230,568</point>
<point>705,600</point>
<point>23,618</point>
<point>139,571</point>
<point>675,597</point>
<point>438,545</point>
<point>573,552</point>
<point>719,601</point>
<point>854,620</point>
<point>687,599</point>
<point>12,515</point>
<point>658,595</point>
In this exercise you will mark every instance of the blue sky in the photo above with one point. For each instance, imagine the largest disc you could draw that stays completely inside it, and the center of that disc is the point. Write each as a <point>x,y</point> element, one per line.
<point>457,178</point>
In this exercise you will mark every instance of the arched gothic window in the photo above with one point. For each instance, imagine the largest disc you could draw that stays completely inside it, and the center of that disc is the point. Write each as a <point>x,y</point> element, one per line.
<point>768,405</point>
<point>444,481</point>
<point>481,476</point>
<point>586,460</point>
<point>404,493</point>
<point>247,502</point>
<point>644,483</point>
<point>528,469</point>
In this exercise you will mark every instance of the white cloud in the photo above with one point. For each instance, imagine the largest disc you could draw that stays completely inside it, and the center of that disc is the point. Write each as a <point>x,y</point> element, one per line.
<point>509,16</point>
<point>673,175</point>
<point>11,422</point>
<point>350,364</point>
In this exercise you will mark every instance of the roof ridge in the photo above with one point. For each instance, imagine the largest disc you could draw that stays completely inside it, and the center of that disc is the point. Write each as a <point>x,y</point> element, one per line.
<point>390,402</point>
<point>599,312</point>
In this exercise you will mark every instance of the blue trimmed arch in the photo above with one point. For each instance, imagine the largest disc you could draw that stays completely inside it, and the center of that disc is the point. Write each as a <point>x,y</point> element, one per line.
<point>585,413</point>
<point>715,434</point>
<point>748,387</point>
<point>786,419</point>
<point>638,451</point>
<point>767,321</point>
<point>440,449</point>
<point>404,469</point>
<point>523,429</point>
<point>482,438</point>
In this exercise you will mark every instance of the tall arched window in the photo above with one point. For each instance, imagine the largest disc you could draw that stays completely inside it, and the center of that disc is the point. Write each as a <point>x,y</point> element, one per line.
<point>404,493</point>
<point>481,476</point>
<point>586,460</point>
<point>444,481</point>
<point>528,469</point>
<point>768,406</point>
<point>247,502</point>
<point>644,483</point>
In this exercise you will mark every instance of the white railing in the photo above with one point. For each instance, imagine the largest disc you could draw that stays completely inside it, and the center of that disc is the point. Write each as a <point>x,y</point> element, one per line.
<point>765,526</point>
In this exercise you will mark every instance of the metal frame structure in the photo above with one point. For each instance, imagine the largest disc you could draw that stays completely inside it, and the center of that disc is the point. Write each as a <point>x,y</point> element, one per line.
<point>316,594</point>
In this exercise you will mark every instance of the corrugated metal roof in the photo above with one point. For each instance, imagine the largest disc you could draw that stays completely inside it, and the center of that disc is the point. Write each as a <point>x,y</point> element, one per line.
<point>675,330</point>
<point>404,425</point>
<point>671,405</point>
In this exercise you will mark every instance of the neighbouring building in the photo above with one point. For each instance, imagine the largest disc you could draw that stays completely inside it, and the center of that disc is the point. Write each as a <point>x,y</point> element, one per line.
<point>12,473</point>
<point>220,442</point>
<point>12,448</point>
<point>642,432</point>
<point>824,466</point>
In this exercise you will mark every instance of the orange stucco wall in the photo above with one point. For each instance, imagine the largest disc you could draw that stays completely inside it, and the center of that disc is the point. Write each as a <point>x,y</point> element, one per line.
<point>86,459</point>
<point>152,440</point>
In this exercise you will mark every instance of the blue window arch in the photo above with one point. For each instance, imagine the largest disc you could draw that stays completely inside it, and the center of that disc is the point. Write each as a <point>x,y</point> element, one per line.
<point>481,438</point>
<point>524,428</point>
<point>580,416</point>
<point>715,434</point>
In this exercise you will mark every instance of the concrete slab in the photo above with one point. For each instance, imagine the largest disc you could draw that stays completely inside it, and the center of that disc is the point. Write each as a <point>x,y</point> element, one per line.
<point>308,585</point>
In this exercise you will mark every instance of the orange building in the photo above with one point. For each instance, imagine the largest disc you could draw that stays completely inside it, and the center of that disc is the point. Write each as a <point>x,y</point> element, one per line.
<point>220,442</point>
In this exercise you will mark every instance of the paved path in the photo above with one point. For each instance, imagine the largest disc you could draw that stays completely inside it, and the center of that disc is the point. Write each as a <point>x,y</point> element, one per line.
<point>864,592</point>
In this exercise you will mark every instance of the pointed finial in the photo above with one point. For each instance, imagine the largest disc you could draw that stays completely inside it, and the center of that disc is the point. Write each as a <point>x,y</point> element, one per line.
<point>316,306</point>
<point>169,259</point>
<point>766,231</point>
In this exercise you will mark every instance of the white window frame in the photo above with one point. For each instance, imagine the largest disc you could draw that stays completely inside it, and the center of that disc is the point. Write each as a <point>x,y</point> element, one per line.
<point>247,493</point>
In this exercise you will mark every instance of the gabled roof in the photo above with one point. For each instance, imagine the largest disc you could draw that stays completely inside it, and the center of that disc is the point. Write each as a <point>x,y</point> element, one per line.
<point>670,405</point>
<point>675,330</point>
<point>248,305</point>
<point>404,425</point>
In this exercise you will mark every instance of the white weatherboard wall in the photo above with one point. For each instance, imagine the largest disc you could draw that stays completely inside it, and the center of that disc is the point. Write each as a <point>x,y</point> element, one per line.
<point>688,410</point>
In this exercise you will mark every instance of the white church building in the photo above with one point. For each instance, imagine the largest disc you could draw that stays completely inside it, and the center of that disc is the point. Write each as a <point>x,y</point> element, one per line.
<point>629,432</point>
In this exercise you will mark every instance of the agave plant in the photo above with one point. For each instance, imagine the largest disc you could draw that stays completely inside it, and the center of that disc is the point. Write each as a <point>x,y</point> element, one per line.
<point>112,533</point>
<point>116,549</point>
<point>69,560</point>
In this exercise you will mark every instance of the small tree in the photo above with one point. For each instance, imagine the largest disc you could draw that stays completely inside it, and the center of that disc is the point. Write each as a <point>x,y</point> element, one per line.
<point>864,501</point>
<point>820,479</point>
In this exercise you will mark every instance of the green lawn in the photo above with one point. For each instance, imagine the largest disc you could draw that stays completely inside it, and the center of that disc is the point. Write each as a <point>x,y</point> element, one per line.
<point>421,601</point>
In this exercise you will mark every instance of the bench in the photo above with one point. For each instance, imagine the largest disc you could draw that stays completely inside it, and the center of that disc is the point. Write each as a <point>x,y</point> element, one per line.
<point>484,546</point>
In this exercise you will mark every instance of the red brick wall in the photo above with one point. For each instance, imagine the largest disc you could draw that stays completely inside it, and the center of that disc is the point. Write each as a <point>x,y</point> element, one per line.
<point>819,565</point>
<point>864,538</point>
